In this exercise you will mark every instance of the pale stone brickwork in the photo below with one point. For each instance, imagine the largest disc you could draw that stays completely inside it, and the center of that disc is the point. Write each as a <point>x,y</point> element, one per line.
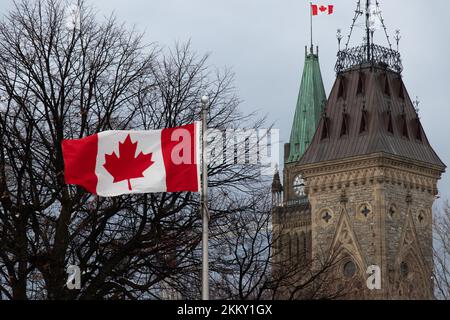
<point>375,210</point>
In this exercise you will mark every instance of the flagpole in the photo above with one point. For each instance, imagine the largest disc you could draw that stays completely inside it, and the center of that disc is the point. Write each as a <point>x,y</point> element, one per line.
<point>367,29</point>
<point>311,24</point>
<point>204,205</point>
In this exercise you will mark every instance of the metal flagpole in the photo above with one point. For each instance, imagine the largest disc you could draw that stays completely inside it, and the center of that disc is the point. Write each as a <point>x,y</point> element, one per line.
<point>367,29</point>
<point>311,21</point>
<point>204,205</point>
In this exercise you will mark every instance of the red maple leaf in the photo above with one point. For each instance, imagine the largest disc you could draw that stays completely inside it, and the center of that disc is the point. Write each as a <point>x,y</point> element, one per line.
<point>127,166</point>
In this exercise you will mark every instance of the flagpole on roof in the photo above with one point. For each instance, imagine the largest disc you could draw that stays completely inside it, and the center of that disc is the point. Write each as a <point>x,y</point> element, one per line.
<point>368,29</point>
<point>204,205</point>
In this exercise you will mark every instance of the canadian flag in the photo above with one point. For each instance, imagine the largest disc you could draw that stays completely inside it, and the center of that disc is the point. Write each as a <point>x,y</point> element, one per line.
<point>316,9</point>
<point>113,163</point>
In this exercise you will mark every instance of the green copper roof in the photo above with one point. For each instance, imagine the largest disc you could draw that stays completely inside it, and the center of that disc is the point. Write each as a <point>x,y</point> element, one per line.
<point>309,108</point>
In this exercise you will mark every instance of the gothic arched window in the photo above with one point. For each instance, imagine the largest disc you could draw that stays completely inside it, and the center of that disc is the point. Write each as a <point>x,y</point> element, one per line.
<point>419,134</point>
<point>349,269</point>
<point>325,129</point>
<point>404,269</point>
<point>404,122</point>
<point>361,87</point>
<point>364,122</point>
<point>387,88</point>
<point>401,92</point>
<point>390,125</point>
<point>345,124</point>
<point>342,89</point>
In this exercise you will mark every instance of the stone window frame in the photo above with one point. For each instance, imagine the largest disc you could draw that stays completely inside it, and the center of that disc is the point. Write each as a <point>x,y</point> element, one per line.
<point>320,219</point>
<point>344,263</point>
<point>359,215</point>
<point>395,214</point>
<point>417,214</point>
<point>404,269</point>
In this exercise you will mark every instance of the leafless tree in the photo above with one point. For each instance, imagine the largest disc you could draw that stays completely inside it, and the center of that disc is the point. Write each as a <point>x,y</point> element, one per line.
<point>249,261</point>
<point>441,252</point>
<point>61,82</point>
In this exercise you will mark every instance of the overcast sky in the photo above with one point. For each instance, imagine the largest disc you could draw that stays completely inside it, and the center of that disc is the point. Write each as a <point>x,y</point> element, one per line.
<point>263,42</point>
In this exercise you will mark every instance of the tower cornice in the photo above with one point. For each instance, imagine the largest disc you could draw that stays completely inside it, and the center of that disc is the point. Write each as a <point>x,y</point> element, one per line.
<point>378,160</point>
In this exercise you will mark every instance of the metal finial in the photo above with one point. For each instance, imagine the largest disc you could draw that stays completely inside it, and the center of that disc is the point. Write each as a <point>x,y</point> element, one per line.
<point>339,38</point>
<point>397,37</point>
<point>416,104</point>
<point>205,100</point>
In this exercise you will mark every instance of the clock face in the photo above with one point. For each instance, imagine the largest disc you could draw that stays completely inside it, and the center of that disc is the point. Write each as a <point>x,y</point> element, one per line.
<point>299,186</point>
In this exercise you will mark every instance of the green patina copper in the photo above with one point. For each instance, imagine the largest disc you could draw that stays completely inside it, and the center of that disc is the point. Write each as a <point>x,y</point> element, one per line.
<point>310,102</point>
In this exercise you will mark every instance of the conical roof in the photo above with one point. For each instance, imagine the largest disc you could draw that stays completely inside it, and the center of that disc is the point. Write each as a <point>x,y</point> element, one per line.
<point>309,107</point>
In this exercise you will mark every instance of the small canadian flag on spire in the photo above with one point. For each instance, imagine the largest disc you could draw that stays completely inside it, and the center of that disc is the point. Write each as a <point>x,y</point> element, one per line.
<point>322,9</point>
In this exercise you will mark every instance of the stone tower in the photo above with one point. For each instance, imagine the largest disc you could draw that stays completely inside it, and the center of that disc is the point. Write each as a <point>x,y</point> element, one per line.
<point>370,176</point>
<point>291,208</point>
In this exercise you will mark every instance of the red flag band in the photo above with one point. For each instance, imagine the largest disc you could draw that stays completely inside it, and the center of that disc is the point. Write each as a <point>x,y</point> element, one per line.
<point>321,9</point>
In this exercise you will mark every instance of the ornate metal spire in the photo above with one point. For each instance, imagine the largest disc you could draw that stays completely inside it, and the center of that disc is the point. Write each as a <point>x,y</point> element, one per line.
<point>339,38</point>
<point>397,37</point>
<point>416,104</point>
<point>369,52</point>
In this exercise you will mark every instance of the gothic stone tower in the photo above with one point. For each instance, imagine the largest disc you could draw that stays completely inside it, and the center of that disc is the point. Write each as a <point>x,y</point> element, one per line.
<point>371,178</point>
<point>370,175</point>
<point>291,208</point>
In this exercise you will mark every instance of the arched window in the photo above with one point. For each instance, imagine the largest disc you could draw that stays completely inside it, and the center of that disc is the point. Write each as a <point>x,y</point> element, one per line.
<point>404,123</point>
<point>404,269</point>
<point>419,134</point>
<point>349,269</point>
<point>387,88</point>
<point>342,89</point>
<point>361,85</point>
<point>345,124</point>
<point>325,128</point>
<point>390,125</point>
<point>401,91</point>
<point>364,122</point>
